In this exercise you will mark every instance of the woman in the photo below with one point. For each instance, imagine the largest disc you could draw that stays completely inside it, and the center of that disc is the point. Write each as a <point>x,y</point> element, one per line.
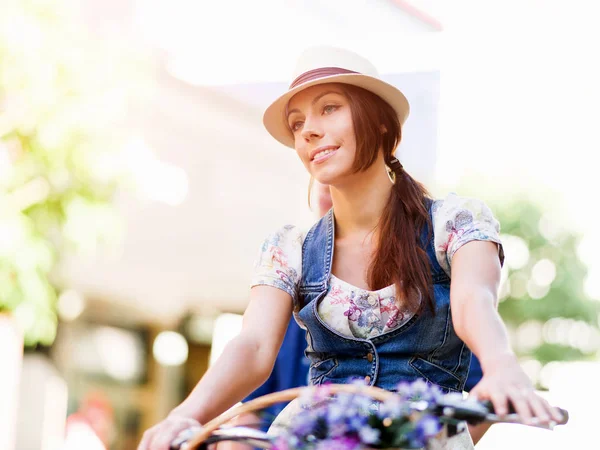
<point>370,281</point>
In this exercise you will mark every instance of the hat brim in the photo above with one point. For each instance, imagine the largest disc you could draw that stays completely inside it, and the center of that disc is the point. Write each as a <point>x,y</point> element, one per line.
<point>276,123</point>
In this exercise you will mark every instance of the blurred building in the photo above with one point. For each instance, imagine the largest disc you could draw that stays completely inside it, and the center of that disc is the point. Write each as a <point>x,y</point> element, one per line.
<point>207,185</point>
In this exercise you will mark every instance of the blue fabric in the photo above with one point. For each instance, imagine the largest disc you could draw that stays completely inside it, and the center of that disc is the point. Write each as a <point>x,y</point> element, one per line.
<point>475,374</point>
<point>426,347</point>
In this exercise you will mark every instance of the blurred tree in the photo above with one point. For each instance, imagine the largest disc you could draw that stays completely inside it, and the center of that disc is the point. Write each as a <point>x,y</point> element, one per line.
<point>542,294</point>
<point>549,316</point>
<point>62,93</point>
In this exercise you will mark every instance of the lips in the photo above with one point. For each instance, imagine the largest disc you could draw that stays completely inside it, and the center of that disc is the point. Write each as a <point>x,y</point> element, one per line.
<point>322,152</point>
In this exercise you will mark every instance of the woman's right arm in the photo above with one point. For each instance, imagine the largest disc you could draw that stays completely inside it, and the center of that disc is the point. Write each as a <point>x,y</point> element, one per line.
<point>243,366</point>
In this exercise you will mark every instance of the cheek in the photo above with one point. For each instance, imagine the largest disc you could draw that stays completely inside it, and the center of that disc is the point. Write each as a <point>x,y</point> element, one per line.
<point>346,129</point>
<point>301,152</point>
<point>298,145</point>
<point>347,134</point>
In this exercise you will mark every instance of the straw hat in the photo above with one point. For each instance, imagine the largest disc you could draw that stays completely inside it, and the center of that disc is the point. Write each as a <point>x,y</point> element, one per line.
<point>319,65</point>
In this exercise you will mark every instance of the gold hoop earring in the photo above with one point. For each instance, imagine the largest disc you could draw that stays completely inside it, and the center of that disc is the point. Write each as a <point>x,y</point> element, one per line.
<point>391,174</point>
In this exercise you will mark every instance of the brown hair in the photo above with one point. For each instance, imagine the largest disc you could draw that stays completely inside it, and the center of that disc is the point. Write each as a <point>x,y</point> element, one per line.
<point>400,258</point>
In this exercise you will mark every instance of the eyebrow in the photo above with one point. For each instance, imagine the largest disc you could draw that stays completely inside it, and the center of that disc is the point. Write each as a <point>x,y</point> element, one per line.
<point>315,100</point>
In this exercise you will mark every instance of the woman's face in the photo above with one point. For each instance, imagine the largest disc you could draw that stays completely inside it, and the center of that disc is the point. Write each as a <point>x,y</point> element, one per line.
<point>321,121</point>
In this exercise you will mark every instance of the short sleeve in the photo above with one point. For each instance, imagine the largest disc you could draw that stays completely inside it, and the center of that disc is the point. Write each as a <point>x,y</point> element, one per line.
<point>279,261</point>
<point>458,220</point>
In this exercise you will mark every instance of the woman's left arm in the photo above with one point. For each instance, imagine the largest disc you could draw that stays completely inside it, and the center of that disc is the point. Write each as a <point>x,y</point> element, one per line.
<point>474,302</point>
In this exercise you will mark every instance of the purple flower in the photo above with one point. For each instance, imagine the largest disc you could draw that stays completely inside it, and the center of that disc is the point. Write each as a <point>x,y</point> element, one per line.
<point>302,427</point>
<point>369,435</point>
<point>418,390</point>
<point>429,426</point>
<point>392,407</point>
<point>294,442</point>
<point>338,429</point>
<point>340,443</point>
<point>419,387</point>
<point>404,389</point>
<point>356,421</point>
<point>335,412</point>
<point>305,421</point>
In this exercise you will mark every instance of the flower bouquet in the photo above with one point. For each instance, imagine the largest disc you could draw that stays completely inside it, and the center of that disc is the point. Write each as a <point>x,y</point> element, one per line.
<point>354,421</point>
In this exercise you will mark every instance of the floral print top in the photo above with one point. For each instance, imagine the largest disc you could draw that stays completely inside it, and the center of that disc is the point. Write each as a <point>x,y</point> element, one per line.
<point>353,311</point>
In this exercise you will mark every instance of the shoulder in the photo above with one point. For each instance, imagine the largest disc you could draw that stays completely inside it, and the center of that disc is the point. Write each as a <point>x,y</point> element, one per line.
<point>285,236</point>
<point>461,210</point>
<point>455,201</point>
<point>458,220</point>
<point>279,261</point>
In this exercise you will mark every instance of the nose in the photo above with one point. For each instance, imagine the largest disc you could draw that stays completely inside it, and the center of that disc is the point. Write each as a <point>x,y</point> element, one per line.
<point>311,129</point>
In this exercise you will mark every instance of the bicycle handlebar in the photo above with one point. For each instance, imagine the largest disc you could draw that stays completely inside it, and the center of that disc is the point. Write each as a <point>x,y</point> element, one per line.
<point>452,410</point>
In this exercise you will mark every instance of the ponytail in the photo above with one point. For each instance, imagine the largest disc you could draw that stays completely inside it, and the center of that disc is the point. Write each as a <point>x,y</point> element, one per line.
<point>400,258</point>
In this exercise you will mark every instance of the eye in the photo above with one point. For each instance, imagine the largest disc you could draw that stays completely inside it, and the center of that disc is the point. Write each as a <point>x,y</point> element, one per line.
<point>328,109</point>
<point>295,126</point>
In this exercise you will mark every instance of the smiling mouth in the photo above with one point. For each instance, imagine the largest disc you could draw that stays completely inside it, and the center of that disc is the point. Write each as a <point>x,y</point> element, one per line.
<point>323,153</point>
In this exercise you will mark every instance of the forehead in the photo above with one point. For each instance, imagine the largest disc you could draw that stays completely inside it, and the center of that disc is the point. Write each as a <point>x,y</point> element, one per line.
<point>307,95</point>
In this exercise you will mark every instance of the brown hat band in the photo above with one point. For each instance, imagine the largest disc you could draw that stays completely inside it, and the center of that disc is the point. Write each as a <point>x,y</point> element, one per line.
<point>319,73</point>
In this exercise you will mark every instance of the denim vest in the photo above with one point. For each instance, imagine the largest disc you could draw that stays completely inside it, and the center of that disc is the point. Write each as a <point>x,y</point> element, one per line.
<point>425,347</point>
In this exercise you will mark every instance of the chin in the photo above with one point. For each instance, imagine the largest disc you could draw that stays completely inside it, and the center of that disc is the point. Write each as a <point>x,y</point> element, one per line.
<point>327,174</point>
<point>330,177</point>
<point>325,179</point>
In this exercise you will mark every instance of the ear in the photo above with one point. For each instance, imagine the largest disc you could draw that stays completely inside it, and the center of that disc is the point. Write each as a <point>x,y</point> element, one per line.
<point>383,129</point>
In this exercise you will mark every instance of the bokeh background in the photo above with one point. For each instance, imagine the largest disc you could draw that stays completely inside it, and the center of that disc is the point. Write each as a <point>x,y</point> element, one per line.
<point>137,183</point>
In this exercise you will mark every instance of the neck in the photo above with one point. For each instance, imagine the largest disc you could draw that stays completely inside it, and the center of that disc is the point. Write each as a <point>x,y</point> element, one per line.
<point>358,204</point>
